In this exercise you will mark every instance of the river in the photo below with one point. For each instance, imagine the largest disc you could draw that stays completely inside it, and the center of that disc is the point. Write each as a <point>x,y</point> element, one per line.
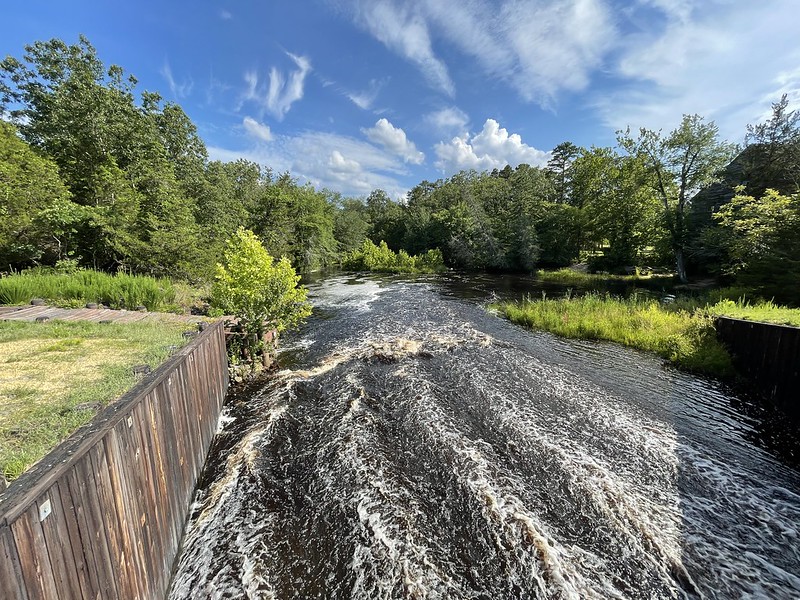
<point>416,446</point>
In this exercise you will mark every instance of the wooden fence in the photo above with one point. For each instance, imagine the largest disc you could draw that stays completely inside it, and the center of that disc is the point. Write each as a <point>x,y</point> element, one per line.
<point>768,355</point>
<point>103,514</point>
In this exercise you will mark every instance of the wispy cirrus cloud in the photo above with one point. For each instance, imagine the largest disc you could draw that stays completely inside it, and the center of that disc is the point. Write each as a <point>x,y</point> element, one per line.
<point>281,91</point>
<point>259,131</point>
<point>492,148</point>
<point>724,59</point>
<point>539,47</point>
<point>405,30</point>
<point>365,98</point>
<point>448,121</point>
<point>179,89</point>
<point>395,141</point>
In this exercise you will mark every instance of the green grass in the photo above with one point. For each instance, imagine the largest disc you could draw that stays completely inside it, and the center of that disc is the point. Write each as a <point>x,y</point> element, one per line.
<point>687,339</point>
<point>569,276</point>
<point>55,376</point>
<point>76,289</point>
<point>760,310</point>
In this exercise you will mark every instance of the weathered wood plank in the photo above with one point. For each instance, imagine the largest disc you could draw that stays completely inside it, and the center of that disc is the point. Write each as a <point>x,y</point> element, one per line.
<point>35,567</point>
<point>11,586</point>
<point>119,490</point>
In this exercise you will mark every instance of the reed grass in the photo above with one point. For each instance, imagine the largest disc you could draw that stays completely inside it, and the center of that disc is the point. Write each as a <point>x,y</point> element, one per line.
<point>76,289</point>
<point>687,339</point>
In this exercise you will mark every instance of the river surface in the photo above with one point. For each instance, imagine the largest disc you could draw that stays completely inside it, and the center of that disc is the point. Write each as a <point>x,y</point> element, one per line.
<point>415,445</point>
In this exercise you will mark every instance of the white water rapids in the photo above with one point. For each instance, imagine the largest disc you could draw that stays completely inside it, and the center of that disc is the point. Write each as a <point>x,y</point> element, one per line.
<point>420,447</point>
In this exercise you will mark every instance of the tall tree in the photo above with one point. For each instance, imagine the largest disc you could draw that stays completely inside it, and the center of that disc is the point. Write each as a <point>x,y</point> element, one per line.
<point>681,163</point>
<point>560,169</point>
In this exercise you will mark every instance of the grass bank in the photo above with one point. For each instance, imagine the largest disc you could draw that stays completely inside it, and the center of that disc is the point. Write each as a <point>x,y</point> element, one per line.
<point>685,338</point>
<point>55,376</point>
<point>74,290</point>
<point>569,276</point>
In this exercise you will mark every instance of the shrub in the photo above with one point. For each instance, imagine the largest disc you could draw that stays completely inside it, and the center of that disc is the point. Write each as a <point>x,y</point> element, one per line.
<point>261,293</point>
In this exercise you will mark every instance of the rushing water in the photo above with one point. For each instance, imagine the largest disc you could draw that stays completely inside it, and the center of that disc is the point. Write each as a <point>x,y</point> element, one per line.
<point>416,446</point>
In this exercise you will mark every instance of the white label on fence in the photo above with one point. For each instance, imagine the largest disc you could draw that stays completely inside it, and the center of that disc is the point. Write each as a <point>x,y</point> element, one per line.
<point>44,510</point>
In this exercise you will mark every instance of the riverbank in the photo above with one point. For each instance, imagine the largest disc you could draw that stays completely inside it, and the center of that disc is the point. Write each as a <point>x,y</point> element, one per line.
<point>55,376</point>
<point>685,338</point>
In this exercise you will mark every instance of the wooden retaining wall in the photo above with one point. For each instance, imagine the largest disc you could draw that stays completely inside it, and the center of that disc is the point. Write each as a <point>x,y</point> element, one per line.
<point>768,355</point>
<point>103,514</point>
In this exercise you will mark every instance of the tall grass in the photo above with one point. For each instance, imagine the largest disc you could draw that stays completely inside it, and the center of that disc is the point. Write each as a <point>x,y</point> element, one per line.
<point>685,338</point>
<point>73,289</point>
<point>569,276</point>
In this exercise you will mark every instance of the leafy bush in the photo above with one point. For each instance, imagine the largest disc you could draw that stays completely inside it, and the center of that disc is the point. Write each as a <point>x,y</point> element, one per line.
<point>261,293</point>
<point>381,259</point>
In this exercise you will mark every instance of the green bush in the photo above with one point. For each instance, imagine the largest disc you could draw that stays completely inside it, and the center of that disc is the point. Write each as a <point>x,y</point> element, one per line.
<point>381,259</point>
<point>261,293</point>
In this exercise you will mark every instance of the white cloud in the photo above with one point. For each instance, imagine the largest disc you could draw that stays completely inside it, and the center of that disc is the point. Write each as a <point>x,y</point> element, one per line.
<point>364,99</point>
<point>492,148</point>
<point>340,164</point>
<point>539,47</point>
<point>724,59</point>
<point>351,166</point>
<point>179,89</point>
<point>395,141</point>
<point>448,121</point>
<point>260,131</point>
<point>225,15</point>
<point>405,31</point>
<point>282,91</point>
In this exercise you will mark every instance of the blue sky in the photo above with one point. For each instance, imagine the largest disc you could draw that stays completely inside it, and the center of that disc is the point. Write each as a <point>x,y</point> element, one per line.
<point>355,95</point>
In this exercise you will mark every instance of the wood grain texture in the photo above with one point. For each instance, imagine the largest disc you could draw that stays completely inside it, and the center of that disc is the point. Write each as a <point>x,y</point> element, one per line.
<point>119,489</point>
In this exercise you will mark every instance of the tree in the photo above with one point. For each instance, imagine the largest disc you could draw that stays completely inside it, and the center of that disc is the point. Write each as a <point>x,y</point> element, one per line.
<point>260,292</point>
<point>763,241</point>
<point>681,163</point>
<point>29,185</point>
<point>559,167</point>
<point>773,160</point>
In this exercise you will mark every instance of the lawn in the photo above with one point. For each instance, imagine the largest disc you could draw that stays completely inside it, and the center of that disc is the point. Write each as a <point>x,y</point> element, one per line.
<point>56,376</point>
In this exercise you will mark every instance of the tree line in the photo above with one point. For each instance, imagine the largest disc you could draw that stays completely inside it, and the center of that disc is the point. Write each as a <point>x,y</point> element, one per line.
<point>96,173</point>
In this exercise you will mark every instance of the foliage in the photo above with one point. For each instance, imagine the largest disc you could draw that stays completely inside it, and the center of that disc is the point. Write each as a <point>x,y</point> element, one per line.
<point>30,188</point>
<point>380,258</point>
<point>260,292</point>
<point>763,242</point>
<point>686,339</point>
<point>680,164</point>
<point>114,291</point>
<point>55,376</point>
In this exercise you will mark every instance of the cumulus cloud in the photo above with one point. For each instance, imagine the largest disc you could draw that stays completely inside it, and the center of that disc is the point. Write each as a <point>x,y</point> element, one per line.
<point>260,131</point>
<point>179,89</point>
<point>282,90</point>
<point>404,30</point>
<point>724,60</point>
<point>352,166</point>
<point>492,148</point>
<point>451,120</point>
<point>395,141</point>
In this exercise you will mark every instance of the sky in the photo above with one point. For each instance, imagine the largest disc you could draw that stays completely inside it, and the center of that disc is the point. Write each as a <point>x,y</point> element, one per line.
<point>354,95</point>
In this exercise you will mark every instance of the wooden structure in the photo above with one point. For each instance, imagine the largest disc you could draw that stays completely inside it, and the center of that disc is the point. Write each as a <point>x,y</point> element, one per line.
<point>103,514</point>
<point>32,313</point>
<point>768,355</point>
